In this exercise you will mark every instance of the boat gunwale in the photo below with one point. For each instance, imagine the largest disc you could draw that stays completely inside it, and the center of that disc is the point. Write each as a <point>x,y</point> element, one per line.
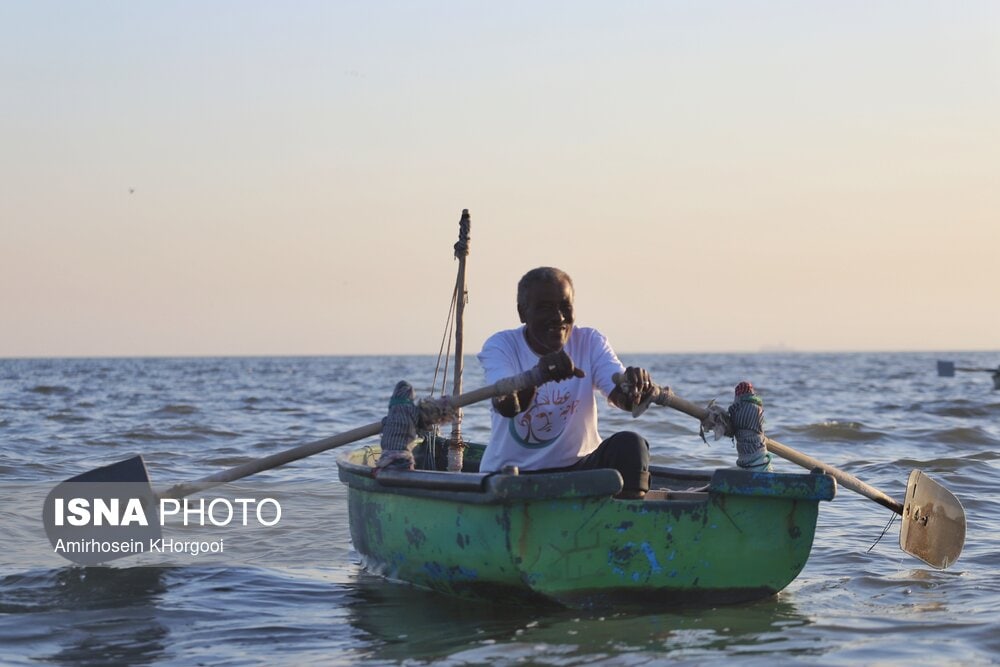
<point>498,487</point>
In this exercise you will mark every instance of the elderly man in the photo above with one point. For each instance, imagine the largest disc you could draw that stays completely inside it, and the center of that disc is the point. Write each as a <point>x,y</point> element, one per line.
<point>553,428</point>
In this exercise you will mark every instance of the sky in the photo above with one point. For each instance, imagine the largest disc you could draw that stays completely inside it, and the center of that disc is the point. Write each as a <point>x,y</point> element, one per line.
<point>285,178</point>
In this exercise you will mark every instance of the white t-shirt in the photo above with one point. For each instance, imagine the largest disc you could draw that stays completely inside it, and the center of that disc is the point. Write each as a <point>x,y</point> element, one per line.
<point>560,426</point>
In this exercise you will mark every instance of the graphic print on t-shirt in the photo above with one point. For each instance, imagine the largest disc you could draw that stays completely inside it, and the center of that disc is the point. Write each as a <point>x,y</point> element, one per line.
<point>545,420</point>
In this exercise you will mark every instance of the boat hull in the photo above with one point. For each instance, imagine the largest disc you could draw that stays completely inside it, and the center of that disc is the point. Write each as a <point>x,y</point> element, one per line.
<point>563,538</point>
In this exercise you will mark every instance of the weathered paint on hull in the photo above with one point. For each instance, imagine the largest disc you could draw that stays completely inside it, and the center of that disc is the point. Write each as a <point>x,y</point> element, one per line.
<point>457,549</point>
<point>717,551</point>
<point>563,538</point>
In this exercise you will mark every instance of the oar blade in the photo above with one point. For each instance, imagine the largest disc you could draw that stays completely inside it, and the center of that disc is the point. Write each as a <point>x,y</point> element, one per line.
<point>933,522</point>
<point>102,514</point>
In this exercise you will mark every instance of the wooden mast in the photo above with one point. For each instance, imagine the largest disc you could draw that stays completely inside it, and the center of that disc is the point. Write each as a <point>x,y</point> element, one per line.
<point>456,447</point>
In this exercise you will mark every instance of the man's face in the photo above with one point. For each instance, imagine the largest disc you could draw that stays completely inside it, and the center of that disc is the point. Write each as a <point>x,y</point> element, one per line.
<point>547,315</point>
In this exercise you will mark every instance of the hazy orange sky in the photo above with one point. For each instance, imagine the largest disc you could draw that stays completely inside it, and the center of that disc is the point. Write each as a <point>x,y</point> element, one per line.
<point>716,176</point>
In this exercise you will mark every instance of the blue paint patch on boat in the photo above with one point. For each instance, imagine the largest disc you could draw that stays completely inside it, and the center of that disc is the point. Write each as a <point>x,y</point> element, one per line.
<point>455,573</point>
<point>654,564</point>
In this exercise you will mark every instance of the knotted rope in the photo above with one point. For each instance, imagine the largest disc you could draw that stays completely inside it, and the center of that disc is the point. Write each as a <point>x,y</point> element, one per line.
<point>464,225</point>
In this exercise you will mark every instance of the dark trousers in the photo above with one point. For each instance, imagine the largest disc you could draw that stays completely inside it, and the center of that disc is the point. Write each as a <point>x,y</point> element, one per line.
<point>626,452</point>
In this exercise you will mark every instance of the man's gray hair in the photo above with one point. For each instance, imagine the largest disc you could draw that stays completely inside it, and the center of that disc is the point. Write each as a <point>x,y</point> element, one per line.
<point>543,274</point>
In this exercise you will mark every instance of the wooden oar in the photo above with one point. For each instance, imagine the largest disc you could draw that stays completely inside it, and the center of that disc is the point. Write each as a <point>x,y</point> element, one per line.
<point>124,481</point>
<point>947,369</point>
<point>933,527</point>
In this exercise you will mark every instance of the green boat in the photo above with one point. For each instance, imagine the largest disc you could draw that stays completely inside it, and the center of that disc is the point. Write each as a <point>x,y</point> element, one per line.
<point>723,536</point>
<point>714,537</point>
<point>719,537</point>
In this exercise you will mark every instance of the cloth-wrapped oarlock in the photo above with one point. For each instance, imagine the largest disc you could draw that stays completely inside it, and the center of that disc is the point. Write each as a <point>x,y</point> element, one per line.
<point>746,420</point>
<point>399,429</point>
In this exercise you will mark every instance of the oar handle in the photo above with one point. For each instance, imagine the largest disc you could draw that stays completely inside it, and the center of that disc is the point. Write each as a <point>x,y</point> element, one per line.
<point>530,378</point>
<point>670,399</point>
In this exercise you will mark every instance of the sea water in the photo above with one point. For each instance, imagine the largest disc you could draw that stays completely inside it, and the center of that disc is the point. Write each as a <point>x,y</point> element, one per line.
<point>300,597</point>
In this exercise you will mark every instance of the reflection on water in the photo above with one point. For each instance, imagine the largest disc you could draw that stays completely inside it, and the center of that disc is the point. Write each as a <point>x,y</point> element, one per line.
<point>106,616</point>
<point>405,623</point>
